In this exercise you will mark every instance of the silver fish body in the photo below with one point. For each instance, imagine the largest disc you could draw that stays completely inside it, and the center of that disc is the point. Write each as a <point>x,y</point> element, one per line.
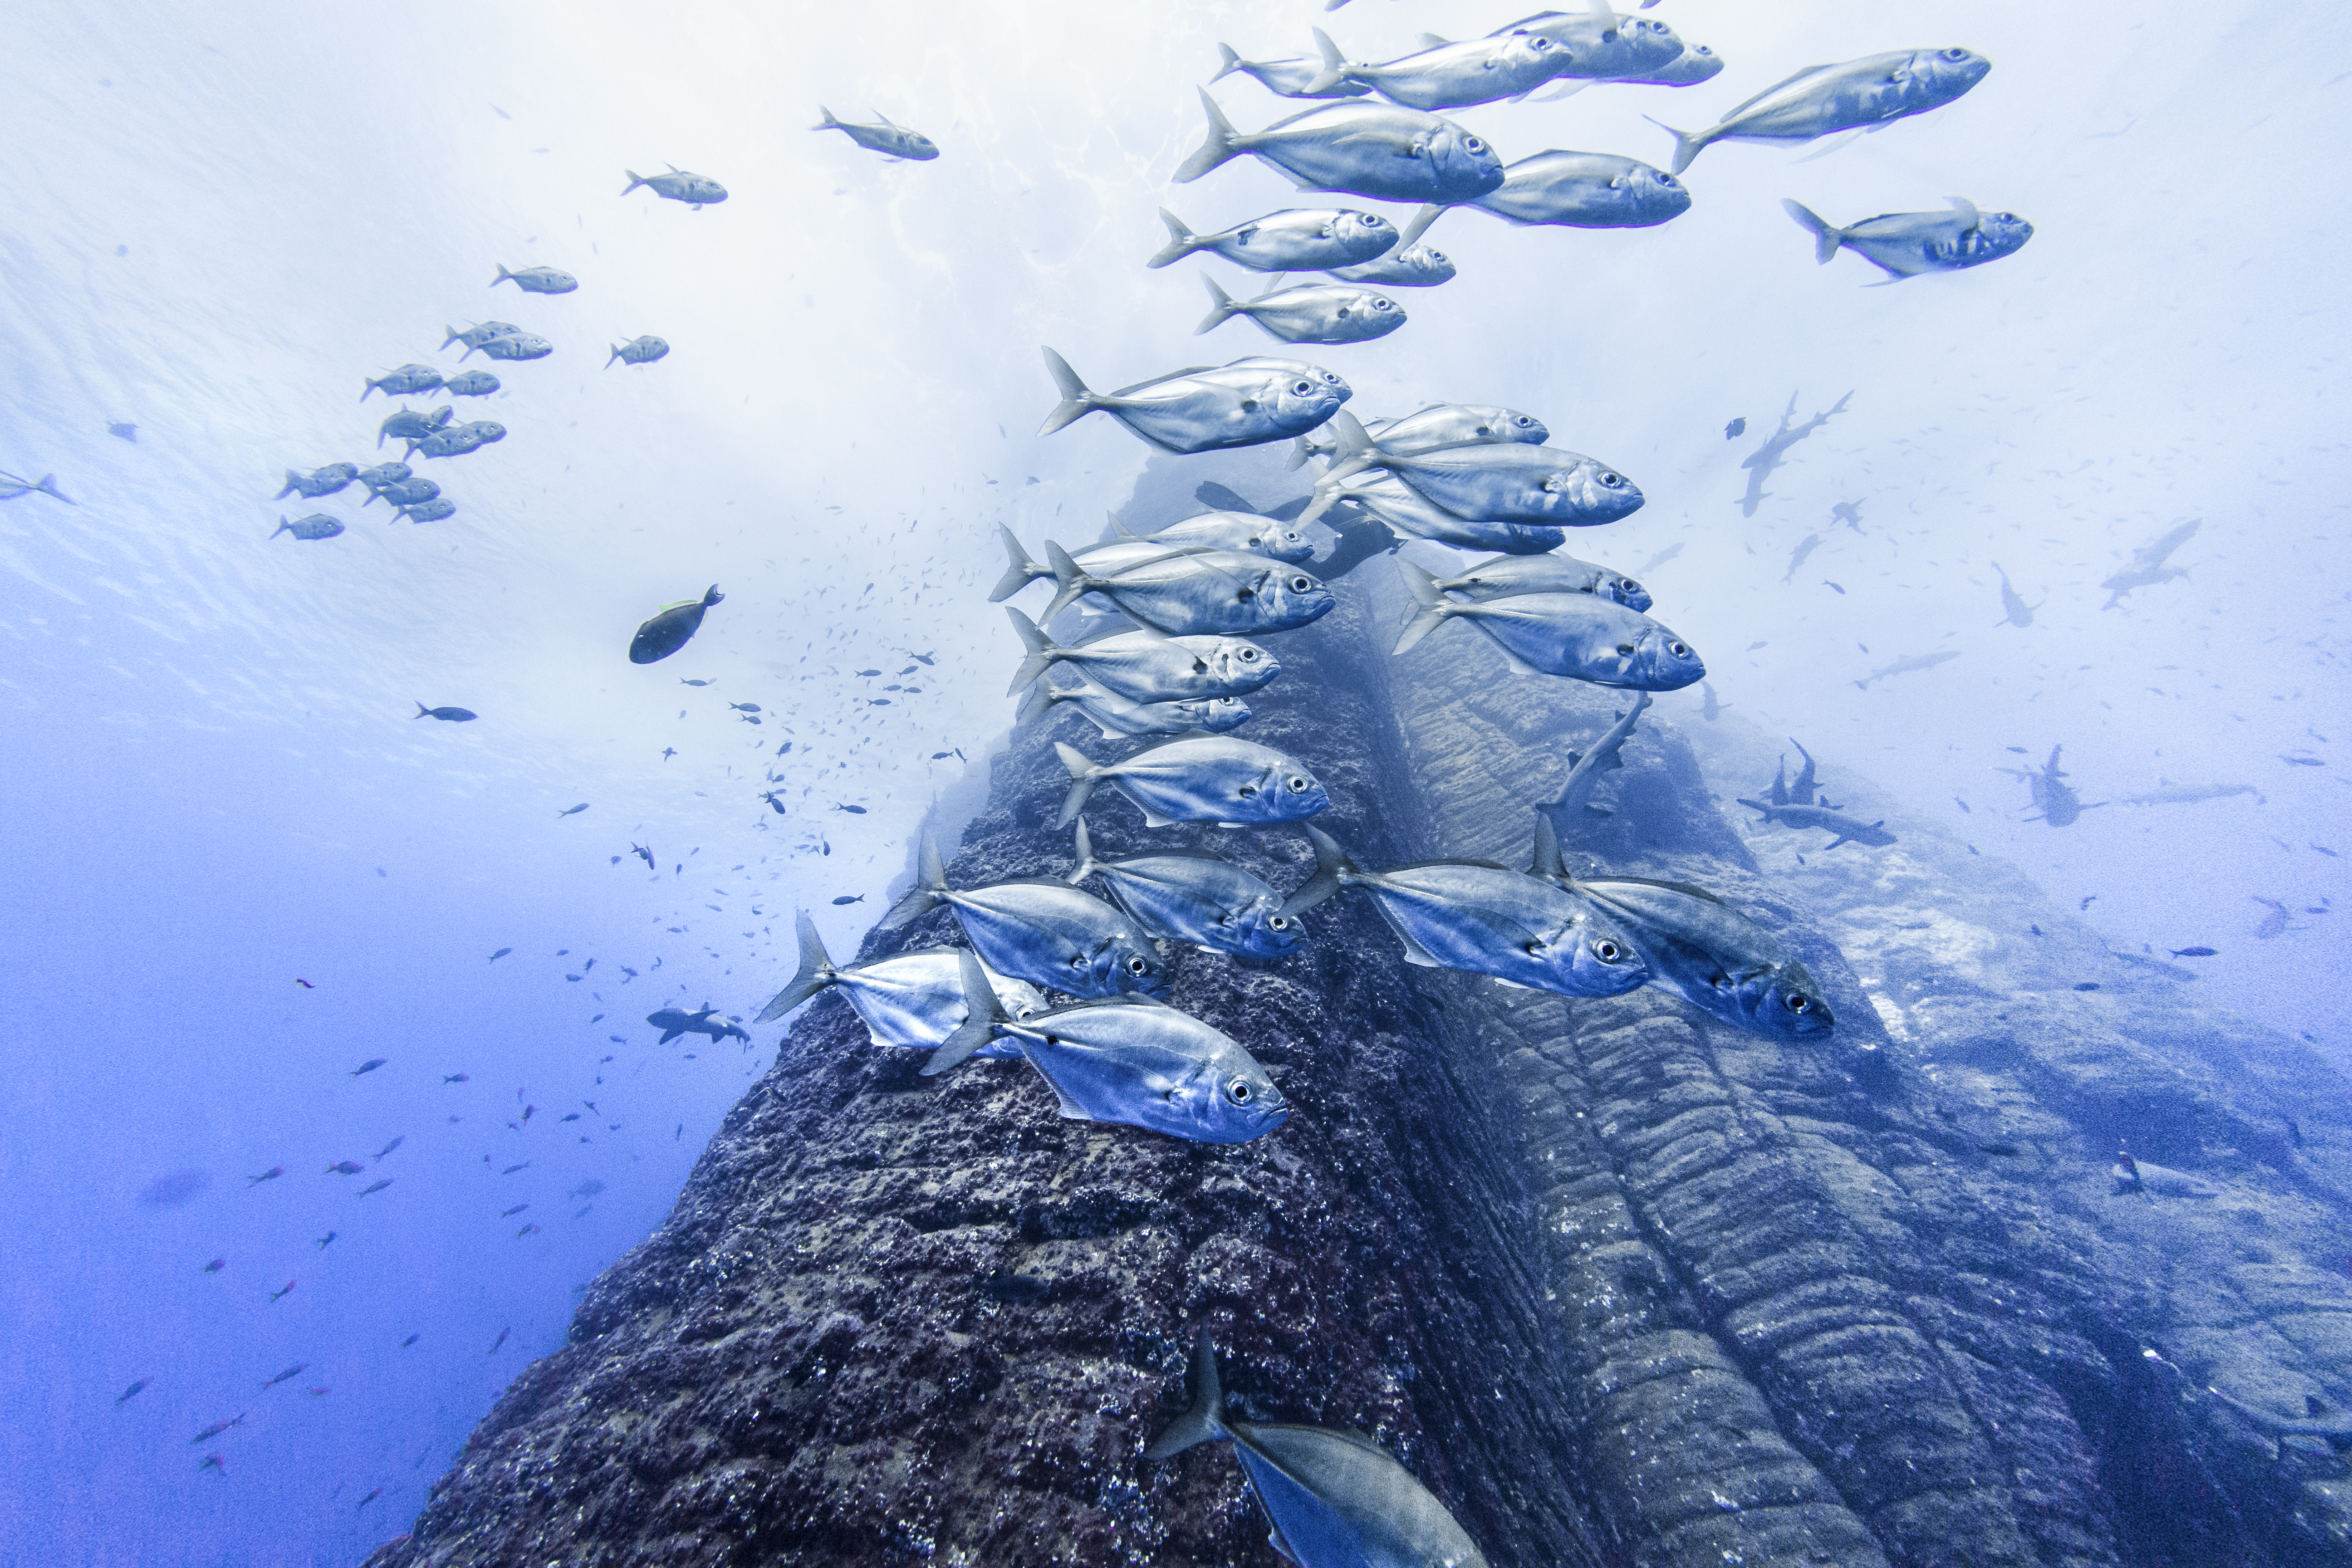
<point>1359,149</point>
<point>459,439</point>
<point>427,511</point>
<point>1586,190</point>
<point>384,474</point>
<point>413,425</point>
<point>1414,515</point>
<point>1117,716</point>
<point>912,1000</point>
<point>325,480</point>
<point>1506,576</point>
<point>1042,929</point>
<point>1488,920</point>
<point>1186,896</point>
<point>1416,265</point>
<point>679,185</point>
<point>1148,666</point>
<point>1452,76</point>
<point>472,384</point>
<point>1601,46</point>
<point>1696,64</point>
<point>1904,244</point>
<point>1207,409</point>
<point>1821,100</point>
<point>1500,482</point>
<point>1202,778</point>
<point>538,280</point>
<point>887,137</point>
<point>318,525</point>
<point>479,334</point>
<point>1297,239</point>
<point>1444,424</point>
<point>519,346</point>
<point>1581,635</point>
<point>407,492</point>
<point>1196,593</point>
<point>639,351</point>
<point>1309,312</point>
<point>1242,530</point>
<point>402,383</point>
<point>1290,78</point>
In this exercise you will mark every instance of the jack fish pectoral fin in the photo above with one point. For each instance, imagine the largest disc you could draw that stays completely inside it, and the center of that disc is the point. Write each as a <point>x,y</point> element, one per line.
<point>1071,1110</point>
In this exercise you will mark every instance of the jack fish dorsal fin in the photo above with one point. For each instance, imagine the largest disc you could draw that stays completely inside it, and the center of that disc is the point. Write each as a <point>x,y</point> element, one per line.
<point>1967,209</point>
<point>1672,887</point>
<point>1431,41</point>
<point>1738,109</point>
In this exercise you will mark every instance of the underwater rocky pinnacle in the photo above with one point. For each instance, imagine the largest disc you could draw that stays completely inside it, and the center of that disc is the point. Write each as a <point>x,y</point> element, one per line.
<point>1617,1283</point>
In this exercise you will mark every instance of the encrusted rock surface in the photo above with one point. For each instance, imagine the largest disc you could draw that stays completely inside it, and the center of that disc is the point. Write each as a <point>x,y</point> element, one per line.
<point>1622,1284</point>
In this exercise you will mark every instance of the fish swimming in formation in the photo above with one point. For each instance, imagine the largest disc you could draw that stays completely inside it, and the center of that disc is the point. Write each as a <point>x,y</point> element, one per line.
<point>402,383</point>
<point>1358,148</point>
<point>1186,896</point>
<point>696,190</point>
<point>1431,429</point>
<point>1148,666</point>
<point>318,525</point>
<point>1581,635</point>
<point>1575,190</point>
<point>913,1000</point>
<point>1447,75</point>
<point>1336,1499</point>
<point>2014,610</point>
<point>1205,408</point>
<point>1132,1060</point>
<point>426,511</point>
<point>471,383</point>
<point>1867,94</point>
<point>671,628</point>
<point>514,346</point>
<point>1420,265</point>
<point>1040,930</point>
<point>538,280</point>
<point>385,474</point>
<point>1908,664</point>
<point>1602,45</point>
<point>1489,482</point>
<point>323,481</point>
<point>1506,576</point>
<point>638,351</point>
<point>676,1021</point>
<point>1198,593</point>
<point>887,137</point>
<point>1202,778</point>
<point>1308,312</point>
<point>1906,244</point>
<point>446,715</point>
<point>1227,530</point>
<point>479,335</point>
<point>1297,239</point>
<point>404,493</point>
<point>411,425</point>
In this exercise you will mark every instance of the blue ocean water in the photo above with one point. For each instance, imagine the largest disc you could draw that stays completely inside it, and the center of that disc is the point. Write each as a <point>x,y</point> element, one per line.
<point>213,226</point>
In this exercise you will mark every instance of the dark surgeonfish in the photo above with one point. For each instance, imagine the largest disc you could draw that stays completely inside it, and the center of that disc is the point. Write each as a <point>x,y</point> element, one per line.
<point>1581,635</point>
<point>1148,666</point>
<point>1205,408</point>
<point>909,999</point>
<point>537,279</point>
<point>1199,778</point>
<point>1860,95</point>
<point>889,136</point>
<point>672,628</point>
<point>676,1021</point>
<point>1041,930</point>
<point>1359,149</point>
<point>1133,1061</point>
<point>696,191</point>
<point>1576,190</point>
<point>323,481</point>
<point>1336,1499</point>
<point>401,383</point>
<point>1486,918</point>
<point>1696,946</point>
<point>1198,593</point>
<point>318,525</point>
<point>1287,78</point>
<point>447,715</point>
<point>1186,896</point>
<point>1904,244</point>
<point>1297,239</point>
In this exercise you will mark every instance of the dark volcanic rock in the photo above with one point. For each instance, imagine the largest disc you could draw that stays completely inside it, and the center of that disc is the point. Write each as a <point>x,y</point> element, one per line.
<point>1622,1284</point>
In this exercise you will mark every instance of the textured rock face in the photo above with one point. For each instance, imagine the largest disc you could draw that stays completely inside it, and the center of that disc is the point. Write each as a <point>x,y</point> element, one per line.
<point>1621,1285</point>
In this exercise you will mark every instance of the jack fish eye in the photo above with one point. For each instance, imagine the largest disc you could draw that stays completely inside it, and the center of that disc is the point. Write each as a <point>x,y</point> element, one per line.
<point>1379,304</point>
<point>1300,585</point>
<point>1472,143</point>
<point>1607,951</point>
<point>1797,1001</point>
<point>1371,220</point>
<point>1299,785</point>
<point>1276,922</point>
<point>1524,423</point>
<point>1247,656</point>
<point>1680,650</point>
<point>1135,965</point>
<point>1238,1092</point>
<point>1540,42</point>
<point>1302,387</point>
<point>1955,55</point>
<point>1437,258</point>
<point>1668,181</point>
<point>1609,480</point>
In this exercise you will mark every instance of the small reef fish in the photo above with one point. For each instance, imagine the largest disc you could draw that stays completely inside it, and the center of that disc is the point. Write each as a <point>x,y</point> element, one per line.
<point>322,481</point>
<point>887,137</point>
<point>670,629</point>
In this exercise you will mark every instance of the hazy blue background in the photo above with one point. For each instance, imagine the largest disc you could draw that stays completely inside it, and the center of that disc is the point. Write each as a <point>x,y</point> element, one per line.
<point>215,221</point>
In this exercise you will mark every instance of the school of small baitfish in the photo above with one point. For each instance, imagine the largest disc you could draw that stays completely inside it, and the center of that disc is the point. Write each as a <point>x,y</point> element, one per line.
<point>1186,606</point>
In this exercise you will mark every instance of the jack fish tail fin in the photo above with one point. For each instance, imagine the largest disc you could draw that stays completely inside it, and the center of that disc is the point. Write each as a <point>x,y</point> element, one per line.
<point>1019,574</point>
<point>286,527</point>
<point>982,1012</point>
<point>1687,146</point>
<point>1223,307</point>
<point>826,122</point>
<point>1200,1424</point>
<point>503,274</point>
<point>636,180</point>
<point>816,972</point>
<point>1332,869</point>
<point>1432,606</point>
<point>1088,864</point>
<point>1041,652</point>
<point>1071,581</point>
<point>1039,703</point>
<point>930,891</point>
<point>1228,62</point>
<point>1076,401</point>
<point>1085,773</point>
<point>1335,65</point>
<point>1827,236</point>
<point>1181,241</point>
<point>1217,149</point>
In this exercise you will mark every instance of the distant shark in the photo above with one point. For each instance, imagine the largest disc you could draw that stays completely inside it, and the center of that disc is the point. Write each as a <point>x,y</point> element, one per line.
<point>676,1021</point>
<point>1760,462</point>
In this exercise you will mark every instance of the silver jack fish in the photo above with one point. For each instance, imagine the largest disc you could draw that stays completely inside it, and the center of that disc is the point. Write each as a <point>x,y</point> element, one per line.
<point>1297,239</point>
<point>1449,76</point>
<point>411,425</point>
<point>1186,896</point>
<point>1581,635</point>
<point>472,384</point>
<point>1904,244</point>
<point>407,492</point>
<point>1308,312</point>
<point>1199,778</point>
<point>518,346</point>
<point>318,525</point>
<point>678,185</point>
<point>385,474</point>
<point>1407,266</point>
<point>1489,482</point>
<point>475,336</point>
<point>1244,530</point>
<point>1116,716</point>
<point>427,511</point>
<point>459,439</point>
<point>1600,44</point>
<point>1109,556</point>
<point>1336,1499</point>
<point>1203,409</point>
<point>538,280</point>
<point>1822,100</point>
<point>1485,919</point>
<point>321,481</point>
<point>1195,592</point>
<point>1289,77</point>
<point>1439,426</point>
<point>1130,1060</point>
<point>1148,666</point>
<point>1414,515</point>
<point>401,383</point>
<point>1507,576</point>
<point>1702,950</point>
<point>887,137</point>
<point>1358,149</point>
<point>1041,930</point>
<point>639,351</point>
<point>1576,190</point>
<point>913,999</point>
